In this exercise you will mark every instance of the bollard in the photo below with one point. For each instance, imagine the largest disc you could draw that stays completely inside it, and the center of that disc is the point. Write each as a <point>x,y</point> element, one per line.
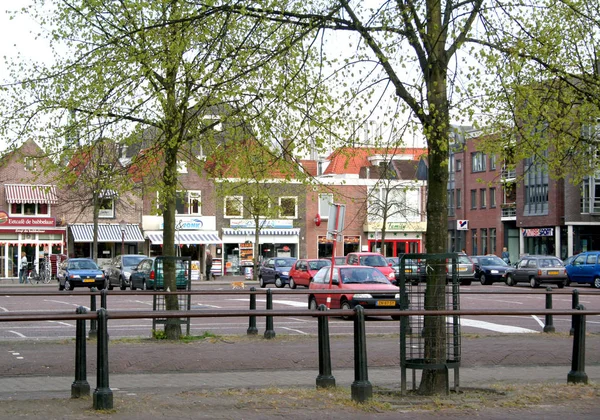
<point>252,330</point>
<point>93,323</point>
<point>361,388</point>
<point>549,324</point>
<point>325,378</point>
<point>269,332</point>
<point>575,302</point>
<point>577,374</point>
<point>103,294</point>
<point>103,396</point>
<point>80,387</point>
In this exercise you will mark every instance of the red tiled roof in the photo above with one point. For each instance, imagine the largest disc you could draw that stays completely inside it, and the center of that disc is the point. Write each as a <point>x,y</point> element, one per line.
<point>310,167</point>
<point>349,160</point>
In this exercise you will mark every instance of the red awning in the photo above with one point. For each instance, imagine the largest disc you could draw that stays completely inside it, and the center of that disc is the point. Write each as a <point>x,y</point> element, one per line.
<point>30,194</point>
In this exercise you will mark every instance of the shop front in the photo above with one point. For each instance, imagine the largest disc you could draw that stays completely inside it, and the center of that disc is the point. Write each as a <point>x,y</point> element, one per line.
<point>111,239</point>
<point>194,236</point>
<point>541,241</point>
<point>38,237</point>
<point>325,245</point>
<point>277,238</point>
<point>400,238</point>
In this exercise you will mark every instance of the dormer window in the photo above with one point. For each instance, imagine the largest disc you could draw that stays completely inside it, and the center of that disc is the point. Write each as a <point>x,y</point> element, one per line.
<point>30,164</point>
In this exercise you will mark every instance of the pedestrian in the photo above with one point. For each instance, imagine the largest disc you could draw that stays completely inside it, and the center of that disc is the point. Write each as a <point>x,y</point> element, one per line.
<point>23,271</point>
<point>208,261</point>
<point>505,255</point>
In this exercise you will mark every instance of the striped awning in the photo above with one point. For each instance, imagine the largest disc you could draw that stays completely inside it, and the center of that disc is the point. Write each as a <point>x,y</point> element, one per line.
<point>18,193</point>
<point>106,233</point>
<point>186,237</point>
<point>232,231</point>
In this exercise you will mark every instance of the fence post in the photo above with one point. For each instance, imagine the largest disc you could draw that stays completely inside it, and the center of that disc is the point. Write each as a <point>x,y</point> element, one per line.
<point>269,332</point>
<point>549,324</point>
<point>103,396</point>
<point>575,302</point>
<point>577,373</point>
<point>103,294</point>
<point>361,388</point>
<point>80,387</point>
<point>252,330</point>
<point>93,322</point>
<point>325,378</point>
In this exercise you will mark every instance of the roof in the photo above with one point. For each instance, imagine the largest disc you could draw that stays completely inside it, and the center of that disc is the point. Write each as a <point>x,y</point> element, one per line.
<point>349,160</point>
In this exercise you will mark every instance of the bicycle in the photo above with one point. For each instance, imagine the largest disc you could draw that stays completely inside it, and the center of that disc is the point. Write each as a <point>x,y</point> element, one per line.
<point>43,277</point>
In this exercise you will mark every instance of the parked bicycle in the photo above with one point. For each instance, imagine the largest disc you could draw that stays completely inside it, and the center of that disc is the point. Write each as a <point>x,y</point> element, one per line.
<point>43,276</point>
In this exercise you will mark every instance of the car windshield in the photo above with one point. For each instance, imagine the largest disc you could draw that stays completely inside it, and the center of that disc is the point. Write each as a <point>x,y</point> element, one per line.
<point>373,261</point>
<point>284,262</point>
<point>132,261</point>
<point>317,265</point>
<point>83,265</point>
<point>362,275</point>
<point>491,261</point>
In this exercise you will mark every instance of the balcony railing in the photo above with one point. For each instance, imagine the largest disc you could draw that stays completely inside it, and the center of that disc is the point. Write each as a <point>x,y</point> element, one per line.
<point>509,211</point>
<point>508,173</point>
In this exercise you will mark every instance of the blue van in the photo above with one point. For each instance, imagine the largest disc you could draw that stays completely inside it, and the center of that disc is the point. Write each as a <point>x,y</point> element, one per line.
<point>585,268</point>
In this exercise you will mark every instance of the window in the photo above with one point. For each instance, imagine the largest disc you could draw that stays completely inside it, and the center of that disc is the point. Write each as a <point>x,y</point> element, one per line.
<point>482,198</point>
<point>484,241</point>
<point>451,211</point>
<point>107,208</point>
<point>458,198</point>
<point>590,195</point>
<point>473,199</point>
<point>29,209</point>
<point>458,165</point>
<point>493,163</point>
<point>474,242</point>
<point>492,197</point>
<point>536,187</point>
<point>30,164</point>
<point>234,206</point>
<point>188,202</point>
<point>288,207</point>
<point>324,201</point>
<point>493,241</point>
<point>182,167</point>
<point>477,162</point>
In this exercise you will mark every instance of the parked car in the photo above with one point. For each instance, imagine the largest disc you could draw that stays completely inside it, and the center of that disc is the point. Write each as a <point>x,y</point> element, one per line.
<point>414,271</point>
<point>465,270</point>
<point>120,269</point>
<point>149,274</point>
<point>536,270</point>
<point>275,270</point>
<point>303,271</point>
<point>372,259</point>
<point>352,277</point>
<point>585,268</point>
<point>80,272</point>
<point>489,269</point>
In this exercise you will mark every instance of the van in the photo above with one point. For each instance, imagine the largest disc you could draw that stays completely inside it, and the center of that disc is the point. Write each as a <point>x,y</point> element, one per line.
<point>585,269</point>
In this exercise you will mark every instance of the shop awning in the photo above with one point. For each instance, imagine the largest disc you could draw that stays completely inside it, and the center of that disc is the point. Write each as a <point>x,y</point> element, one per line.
<point>44,194</point>
<point>186,238</point>
<point>106,233</point>
<point>232,231</point>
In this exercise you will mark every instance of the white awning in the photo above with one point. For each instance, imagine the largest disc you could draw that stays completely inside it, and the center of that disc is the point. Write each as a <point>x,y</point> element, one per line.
<point>44,194</point>
<point>186,237</point>
<point>106,233</point>
<point>251,232</point>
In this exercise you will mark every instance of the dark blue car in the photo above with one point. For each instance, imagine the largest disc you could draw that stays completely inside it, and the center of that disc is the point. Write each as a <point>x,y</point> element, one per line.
<point>489,269</point>
<point>276,270</point>
<point>80,272</point>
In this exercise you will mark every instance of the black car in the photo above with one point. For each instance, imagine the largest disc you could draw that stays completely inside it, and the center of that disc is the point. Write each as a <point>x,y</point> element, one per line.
<point>489,269</point>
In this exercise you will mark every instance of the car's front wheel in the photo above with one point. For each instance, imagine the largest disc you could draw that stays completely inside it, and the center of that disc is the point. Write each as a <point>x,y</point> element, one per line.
<point>279,283</point>
<point>292,283</point>
<point>312,303</point>
<point>483,280</point>
<point>510,281</point>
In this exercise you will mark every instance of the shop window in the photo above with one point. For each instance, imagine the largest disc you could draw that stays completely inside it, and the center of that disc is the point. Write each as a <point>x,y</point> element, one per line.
<point>233,207</point>
<point>288,207</point>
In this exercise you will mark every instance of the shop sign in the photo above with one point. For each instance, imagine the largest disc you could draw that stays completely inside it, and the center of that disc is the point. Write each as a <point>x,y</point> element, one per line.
<point>265,223</point>
<point>538,232</point>
<point>7,221</point>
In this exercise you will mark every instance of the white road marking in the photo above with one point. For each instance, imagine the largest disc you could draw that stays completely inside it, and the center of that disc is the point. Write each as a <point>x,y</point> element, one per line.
<point>282,302</point>
<point>142,302</point>
<point>208,306</point>
<point>298,331</point>
<point>63,323</point>
<point>19,334</point>
<point>4,309</point>
<point>494,327</point>
<point>491,300</point>
<point>539,321</point>
<point>66,303</point>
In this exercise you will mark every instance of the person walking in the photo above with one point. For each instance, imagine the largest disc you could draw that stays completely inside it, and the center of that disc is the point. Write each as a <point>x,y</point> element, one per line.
<point>505,255</point>
<point>209,261</point>
<point>23,271</point>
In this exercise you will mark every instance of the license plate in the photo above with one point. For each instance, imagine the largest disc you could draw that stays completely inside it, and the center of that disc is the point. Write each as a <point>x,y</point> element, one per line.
<point>462,269</point>
<point>386,303</point>
<point>407,270</point>
<point>88,280</point>
<point>553,273</point>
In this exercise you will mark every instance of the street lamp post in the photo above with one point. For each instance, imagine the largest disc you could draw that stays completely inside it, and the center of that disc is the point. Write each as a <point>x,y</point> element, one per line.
<point>123,225</point>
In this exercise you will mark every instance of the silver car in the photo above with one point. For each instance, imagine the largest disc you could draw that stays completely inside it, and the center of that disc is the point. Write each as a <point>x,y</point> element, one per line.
<point>537,269</point>
<point>120,268</point>
<point>465,270</point>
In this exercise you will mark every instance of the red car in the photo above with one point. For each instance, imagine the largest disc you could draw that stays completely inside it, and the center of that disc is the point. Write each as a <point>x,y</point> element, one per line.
<point>303,271</point>
<point>372,259</point>
<point>352,277</point>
